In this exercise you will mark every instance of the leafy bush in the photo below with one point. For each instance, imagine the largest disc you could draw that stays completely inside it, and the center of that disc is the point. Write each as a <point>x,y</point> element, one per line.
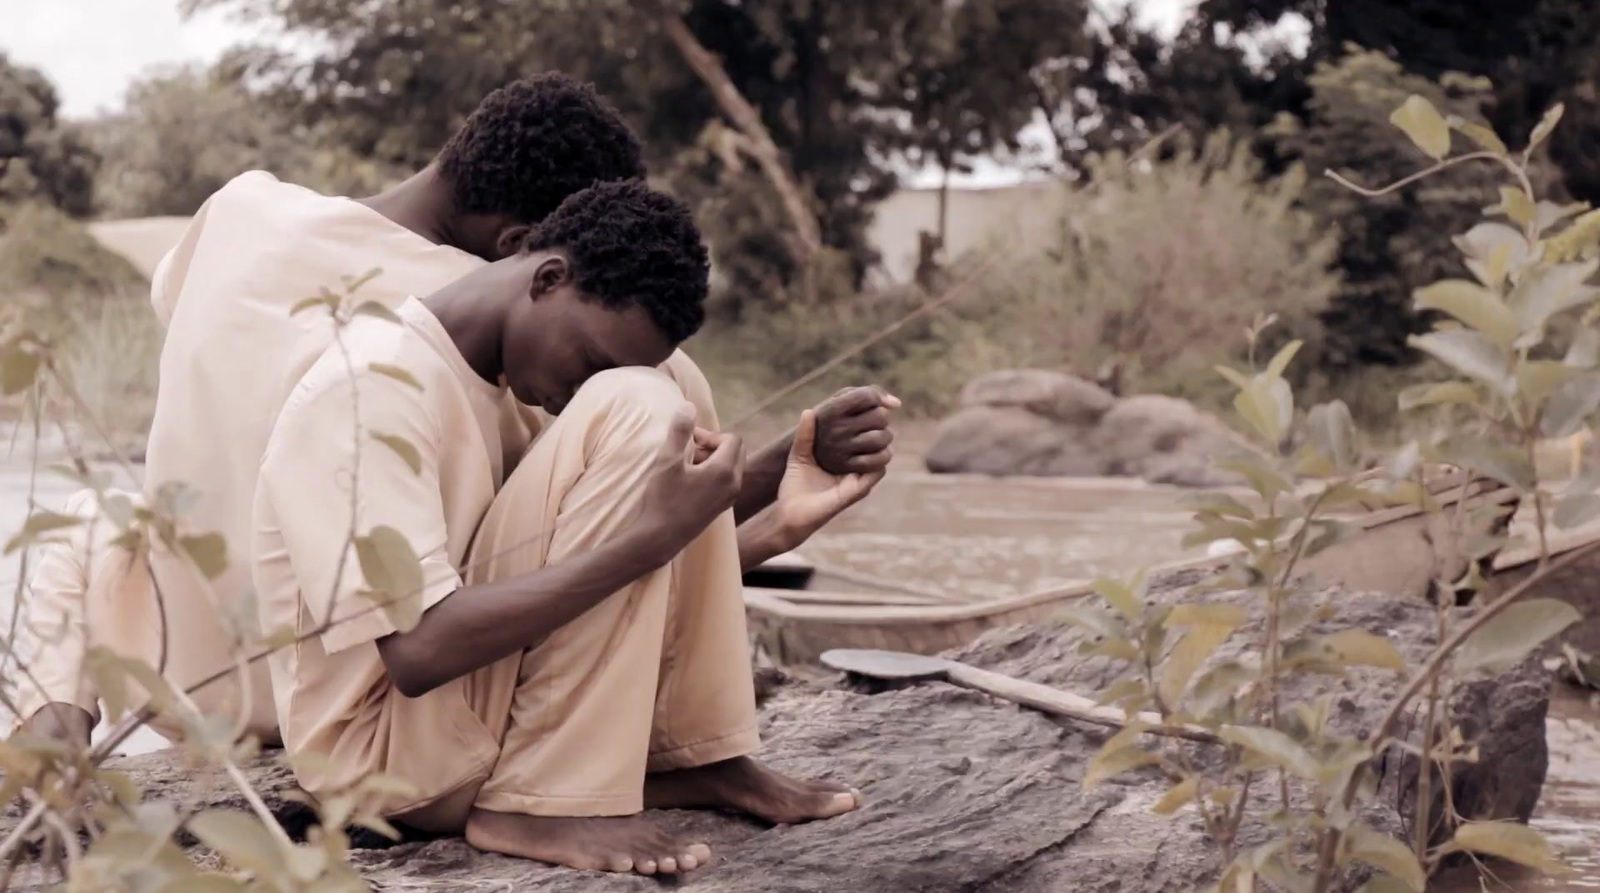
<point>1507,386</point>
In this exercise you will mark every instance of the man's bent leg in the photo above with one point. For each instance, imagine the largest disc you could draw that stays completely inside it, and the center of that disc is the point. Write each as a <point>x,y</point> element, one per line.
<point>705,715</point>
<point>573,760</point>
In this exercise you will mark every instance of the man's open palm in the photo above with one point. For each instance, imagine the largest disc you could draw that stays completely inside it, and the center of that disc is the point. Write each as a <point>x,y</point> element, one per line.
<point>809,496</point>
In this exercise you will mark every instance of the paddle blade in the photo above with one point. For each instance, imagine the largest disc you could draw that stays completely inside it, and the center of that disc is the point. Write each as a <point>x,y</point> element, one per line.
<point>892,665</point>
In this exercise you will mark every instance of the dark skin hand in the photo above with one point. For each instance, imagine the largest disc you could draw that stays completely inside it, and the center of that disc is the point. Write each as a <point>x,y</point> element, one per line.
<point>59,721</point>
<point>689,490</point>
<point>853,437</point>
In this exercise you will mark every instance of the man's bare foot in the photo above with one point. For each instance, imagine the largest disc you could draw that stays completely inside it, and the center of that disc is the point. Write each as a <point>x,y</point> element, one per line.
<point>623,843</point>
<point>744,785</point>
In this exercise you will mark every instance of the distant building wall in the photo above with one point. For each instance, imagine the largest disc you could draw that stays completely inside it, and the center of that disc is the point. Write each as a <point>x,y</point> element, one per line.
<point>1021,216</point>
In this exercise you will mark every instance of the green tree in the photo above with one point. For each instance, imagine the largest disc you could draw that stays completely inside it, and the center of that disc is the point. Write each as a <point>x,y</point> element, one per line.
<point>1392,245</point>
<point>187,132</point>
<point>41,157</point>
<point>827,79</point>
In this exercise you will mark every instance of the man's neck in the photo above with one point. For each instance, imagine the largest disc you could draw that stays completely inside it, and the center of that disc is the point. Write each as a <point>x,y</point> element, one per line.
<point>420,204</point>
<point>474,322</point>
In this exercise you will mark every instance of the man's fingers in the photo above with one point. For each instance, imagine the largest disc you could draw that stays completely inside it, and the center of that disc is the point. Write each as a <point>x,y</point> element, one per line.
<point>853,401</point>
<point>871,463</point>
<point>869,442</point>
<point>857,486</point>
<point>875,419</point>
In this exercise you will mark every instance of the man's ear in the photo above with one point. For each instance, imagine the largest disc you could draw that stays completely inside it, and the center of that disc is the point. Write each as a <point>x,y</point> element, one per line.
<point>552,273</point>
<point>509,241</point>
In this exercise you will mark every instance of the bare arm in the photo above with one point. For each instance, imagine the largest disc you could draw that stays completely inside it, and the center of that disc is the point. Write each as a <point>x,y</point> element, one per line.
<point>478,625</point>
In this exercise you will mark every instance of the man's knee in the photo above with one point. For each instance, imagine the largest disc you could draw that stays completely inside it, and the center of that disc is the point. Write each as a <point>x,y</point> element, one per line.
<point>633,403</point>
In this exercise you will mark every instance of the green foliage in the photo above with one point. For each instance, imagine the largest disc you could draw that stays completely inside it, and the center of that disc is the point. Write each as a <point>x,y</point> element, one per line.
<point>42,159</point>
<point>132,841</point>
<point>186,133</point>
<point>841,88</point>
<point>1506,390</point>
<point>42,249</point>
<point>1162,267</point>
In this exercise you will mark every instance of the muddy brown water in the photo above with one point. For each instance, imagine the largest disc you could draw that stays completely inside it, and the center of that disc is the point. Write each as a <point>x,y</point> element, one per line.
<point>979,538</point>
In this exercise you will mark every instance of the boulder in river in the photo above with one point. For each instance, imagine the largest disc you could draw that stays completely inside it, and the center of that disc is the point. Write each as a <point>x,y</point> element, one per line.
<point>1044,423</point>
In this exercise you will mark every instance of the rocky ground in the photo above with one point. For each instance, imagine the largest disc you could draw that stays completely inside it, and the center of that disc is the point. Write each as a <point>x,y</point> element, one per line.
<point>967,793</point>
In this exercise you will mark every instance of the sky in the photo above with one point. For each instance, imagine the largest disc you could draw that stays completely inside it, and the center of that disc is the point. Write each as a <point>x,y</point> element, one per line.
<point>93,49</point>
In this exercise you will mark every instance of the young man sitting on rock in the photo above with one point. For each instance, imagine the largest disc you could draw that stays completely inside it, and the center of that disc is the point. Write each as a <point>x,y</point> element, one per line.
<point>590,658</point>
<point>233,352</point>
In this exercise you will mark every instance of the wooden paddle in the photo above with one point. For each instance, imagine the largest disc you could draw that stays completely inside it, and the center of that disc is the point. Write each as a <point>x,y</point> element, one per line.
<point>897,666</point>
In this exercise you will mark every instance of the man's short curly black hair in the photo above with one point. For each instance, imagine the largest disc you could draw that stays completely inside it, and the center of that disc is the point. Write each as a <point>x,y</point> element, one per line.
<point>532,143</point>
<point>631,246</point>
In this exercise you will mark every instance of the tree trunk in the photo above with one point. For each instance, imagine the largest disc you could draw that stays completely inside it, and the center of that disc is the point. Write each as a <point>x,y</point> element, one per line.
<point>748,121</point>
<point>944,205</point>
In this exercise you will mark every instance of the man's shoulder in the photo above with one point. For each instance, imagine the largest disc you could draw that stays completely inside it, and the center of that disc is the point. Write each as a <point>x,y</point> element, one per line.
<point>388,362</point>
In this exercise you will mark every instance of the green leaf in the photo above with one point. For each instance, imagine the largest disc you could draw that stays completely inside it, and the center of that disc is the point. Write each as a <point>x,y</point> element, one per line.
<point>1261,405</point>
<point>1515,204</point>
<point>394,572</point>
<point>1217,503</point>
<point>327,300</point>
<point>375,309</point>
<point>110,681</point>
<point>1333,433</point>
<point>1358,647</point>
<point>1274,747</point>
<point>1267,481</point>
<point>1180,796</point>
<point>1492,250</point>
<point>1508,840</point>
<point>1538,379</point>
<point>1508,466</point>
<point>354,285</point>
<point>1197,644</point>
<point>1470,354</point>
<point>1195,615</point>
<point>1120,596</point>
<point>402,448</point>
<point>1472,304</point>
<point>397,373</point>
<point>1584,351</point>
<point>1551,213</point>
<point>1546,126</point>
<point>1236,378</point>
<point>1570,406</point>
<point>1479,134</point>
<point>1119,754</point>
<point>1120,691</point>
<point>19,369</point>
<point>208,551</point>
<point>1548,291</point>
<point>38,524</point>
<point>1217,686</point>
<point>1101,623</point>
<point>1424,125</point>
<point>241,839</point>
<point>1387,854</point>
<point>1578,510</point>
<point>1505,641</point>
<point>1282,359</point>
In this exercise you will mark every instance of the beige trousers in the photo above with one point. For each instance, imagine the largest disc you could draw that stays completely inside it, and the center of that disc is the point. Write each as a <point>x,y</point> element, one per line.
<point>656,677</point>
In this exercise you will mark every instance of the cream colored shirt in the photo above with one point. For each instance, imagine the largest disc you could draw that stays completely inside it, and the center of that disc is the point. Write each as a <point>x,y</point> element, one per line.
<point>302,506</point>
<point>232,355</point>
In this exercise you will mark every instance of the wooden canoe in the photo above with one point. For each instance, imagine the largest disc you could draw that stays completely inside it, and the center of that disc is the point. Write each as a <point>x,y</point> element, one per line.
<point>1577,583</point>
<point>1393,552</point>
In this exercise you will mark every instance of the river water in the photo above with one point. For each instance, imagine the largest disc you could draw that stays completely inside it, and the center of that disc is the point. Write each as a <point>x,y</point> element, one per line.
<point>977,538</point>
